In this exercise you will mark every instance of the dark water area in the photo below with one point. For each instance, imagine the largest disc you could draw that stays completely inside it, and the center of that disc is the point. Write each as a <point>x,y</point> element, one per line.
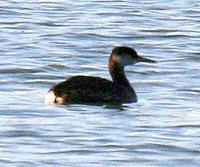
<point>44,42</point>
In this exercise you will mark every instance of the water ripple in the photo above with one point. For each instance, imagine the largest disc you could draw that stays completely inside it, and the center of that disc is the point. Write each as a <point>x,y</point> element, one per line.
<point>45,42</point>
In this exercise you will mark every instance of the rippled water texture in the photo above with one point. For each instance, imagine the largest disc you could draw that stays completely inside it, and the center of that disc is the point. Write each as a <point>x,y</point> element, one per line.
<point>46,41</point>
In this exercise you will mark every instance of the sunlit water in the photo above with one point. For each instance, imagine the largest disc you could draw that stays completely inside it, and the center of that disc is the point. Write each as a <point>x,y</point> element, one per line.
<point>44,42</point>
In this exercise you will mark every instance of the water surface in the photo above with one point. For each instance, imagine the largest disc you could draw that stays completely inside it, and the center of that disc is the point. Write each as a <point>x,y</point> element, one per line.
<point>44,42</point>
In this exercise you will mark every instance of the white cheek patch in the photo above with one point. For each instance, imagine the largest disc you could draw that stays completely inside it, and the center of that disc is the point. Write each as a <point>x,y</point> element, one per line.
<point>125,60</point>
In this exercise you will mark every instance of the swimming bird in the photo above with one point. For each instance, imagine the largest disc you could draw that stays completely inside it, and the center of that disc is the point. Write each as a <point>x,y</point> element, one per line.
<point>90,90</point>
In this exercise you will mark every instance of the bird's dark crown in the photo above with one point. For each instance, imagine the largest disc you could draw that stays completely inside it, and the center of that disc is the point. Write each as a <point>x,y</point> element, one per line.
<point>124,50</point>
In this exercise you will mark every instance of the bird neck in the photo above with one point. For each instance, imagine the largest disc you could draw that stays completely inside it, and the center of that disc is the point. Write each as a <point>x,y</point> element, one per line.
<point>117,73</point>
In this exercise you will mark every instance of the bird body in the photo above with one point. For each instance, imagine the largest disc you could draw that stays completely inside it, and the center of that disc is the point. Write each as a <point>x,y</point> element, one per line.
<point>89,90</point>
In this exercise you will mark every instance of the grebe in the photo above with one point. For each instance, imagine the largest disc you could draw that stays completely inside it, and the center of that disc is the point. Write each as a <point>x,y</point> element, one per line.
<point>89,90</point>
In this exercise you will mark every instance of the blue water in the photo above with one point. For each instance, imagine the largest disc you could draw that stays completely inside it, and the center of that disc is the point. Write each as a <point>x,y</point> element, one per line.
<point>44,42</point>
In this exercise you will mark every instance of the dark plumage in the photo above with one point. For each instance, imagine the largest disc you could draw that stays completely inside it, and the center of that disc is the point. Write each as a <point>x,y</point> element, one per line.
<point>87,89</point>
